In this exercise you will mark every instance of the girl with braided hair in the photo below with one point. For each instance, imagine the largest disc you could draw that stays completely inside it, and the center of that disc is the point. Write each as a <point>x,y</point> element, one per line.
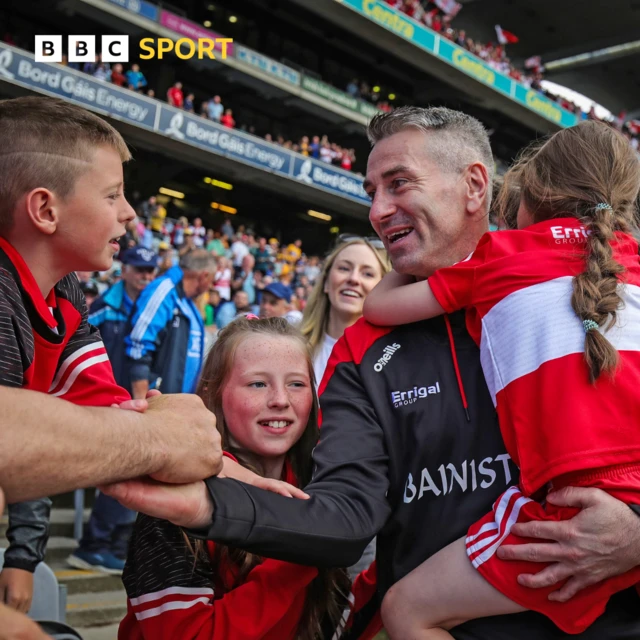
<point>565,387</point>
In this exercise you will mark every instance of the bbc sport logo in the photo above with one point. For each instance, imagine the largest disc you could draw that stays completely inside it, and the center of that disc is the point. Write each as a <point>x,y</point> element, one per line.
<point>116,48</point>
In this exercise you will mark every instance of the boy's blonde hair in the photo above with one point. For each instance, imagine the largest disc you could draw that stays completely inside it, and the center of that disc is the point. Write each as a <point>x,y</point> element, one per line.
<point>47,142</point>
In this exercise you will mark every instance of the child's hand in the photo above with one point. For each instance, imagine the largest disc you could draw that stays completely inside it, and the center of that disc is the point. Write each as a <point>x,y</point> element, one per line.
<point>231,469</point>
<point>16,589</point>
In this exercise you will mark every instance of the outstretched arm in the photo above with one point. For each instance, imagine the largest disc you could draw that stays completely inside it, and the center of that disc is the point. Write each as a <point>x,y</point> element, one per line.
<point>399,299</point>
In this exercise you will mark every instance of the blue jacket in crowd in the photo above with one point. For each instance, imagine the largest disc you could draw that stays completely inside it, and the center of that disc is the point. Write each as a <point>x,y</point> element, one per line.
<point>110,312</point>
<point>166,343</point>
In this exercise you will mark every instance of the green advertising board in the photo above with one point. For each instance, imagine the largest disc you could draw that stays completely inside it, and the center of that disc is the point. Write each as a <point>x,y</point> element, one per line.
<point>431,42</point>
<point>326,91</point>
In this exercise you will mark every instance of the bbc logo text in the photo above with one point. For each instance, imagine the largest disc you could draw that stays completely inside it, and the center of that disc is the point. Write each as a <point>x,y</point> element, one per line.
<point>115,48</point>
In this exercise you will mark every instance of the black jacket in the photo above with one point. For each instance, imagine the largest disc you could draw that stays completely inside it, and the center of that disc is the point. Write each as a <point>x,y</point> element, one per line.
<point>399,458</point>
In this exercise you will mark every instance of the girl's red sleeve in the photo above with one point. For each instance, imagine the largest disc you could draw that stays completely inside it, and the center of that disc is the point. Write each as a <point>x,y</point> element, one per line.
<point>170,597</point>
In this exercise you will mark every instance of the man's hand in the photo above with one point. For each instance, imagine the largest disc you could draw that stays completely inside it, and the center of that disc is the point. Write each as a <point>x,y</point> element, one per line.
<point>186,429</point>
<point>601,541</point>
<point>137,405</point>
<point>186,505</point>
<point>231,469</point>
<point>16,589</point>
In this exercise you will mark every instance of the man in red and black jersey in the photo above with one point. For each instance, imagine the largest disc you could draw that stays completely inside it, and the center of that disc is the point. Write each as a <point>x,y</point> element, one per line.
<point>410,448</point>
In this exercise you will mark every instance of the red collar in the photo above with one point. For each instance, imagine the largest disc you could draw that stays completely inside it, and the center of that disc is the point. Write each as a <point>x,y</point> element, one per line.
<point>30,285</point>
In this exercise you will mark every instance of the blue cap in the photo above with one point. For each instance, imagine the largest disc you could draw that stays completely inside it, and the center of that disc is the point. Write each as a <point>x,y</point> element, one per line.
<point>139,257</point>
<point>279,290</point>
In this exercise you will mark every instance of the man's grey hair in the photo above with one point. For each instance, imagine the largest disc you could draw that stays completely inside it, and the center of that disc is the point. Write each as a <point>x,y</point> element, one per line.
<point>455,138</point>
<point>198,260</point>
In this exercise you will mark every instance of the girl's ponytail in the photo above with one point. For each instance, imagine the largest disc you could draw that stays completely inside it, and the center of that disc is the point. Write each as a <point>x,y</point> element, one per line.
<point>596,298</point>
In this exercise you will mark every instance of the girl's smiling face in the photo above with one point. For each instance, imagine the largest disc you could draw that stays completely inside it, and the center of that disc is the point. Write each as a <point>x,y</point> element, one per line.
<point>268,395</point>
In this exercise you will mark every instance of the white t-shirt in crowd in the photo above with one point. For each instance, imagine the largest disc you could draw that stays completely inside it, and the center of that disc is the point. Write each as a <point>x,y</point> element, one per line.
<point>222,283</point>
<point>239,250</point>
<point>199,234</point>
<point>322,357</point>
<point>326,155</point>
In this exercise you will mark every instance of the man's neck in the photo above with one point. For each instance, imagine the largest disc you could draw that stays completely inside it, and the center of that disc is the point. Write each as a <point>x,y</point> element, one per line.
<point>131,292</point>
<point>339,323</point>
<point>47,269</point>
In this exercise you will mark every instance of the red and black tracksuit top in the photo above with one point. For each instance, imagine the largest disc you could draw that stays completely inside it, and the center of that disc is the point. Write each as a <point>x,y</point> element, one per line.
<point>410,450</point>
<point>46,345</point>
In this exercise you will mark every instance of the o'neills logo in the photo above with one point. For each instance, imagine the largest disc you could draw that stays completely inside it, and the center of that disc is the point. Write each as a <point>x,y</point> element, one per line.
<point>403,398</point>
<point>388,351</point>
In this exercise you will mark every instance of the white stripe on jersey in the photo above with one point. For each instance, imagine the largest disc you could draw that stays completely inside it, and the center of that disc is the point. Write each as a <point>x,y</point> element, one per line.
<point>536,324</point>
<point>94,346</point>
<point>142,324</point>
<point>171,606</point>
<point>78,370</point>
<point>169,591</point>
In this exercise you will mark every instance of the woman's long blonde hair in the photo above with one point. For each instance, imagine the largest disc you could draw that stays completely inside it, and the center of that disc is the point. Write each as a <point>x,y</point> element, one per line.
<point>316,314</point>
<point>327,595</point>
<point>588,172</point>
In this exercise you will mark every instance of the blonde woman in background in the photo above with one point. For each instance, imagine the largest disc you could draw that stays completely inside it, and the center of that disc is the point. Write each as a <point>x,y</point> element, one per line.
<point>349,273</point>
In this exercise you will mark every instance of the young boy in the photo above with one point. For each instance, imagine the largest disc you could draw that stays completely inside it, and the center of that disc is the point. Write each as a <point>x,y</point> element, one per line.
<point>62,209</point>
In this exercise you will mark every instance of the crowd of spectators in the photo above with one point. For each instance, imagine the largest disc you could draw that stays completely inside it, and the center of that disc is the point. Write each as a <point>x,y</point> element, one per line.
<point>248,265</point>
<point>316,147</point>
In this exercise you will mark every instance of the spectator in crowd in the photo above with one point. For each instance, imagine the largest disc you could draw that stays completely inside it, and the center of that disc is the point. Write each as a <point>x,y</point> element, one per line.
<point>214,243</point>
<point>166,343</point>
<point>178,231</point>
<point>264,257</point>
<point>117,77</point>
<point>314,147</point>
<point>158,215</point>
<point>151,93</point>
<point>102,72</point>
<point>312,269</point>
<point>227,229</point>
<point>199,233</point>
<point>276,303</point>
<point>175,97</point>
<point>228,311</point>
<point>349,273</point>
<point>222,279</point>
<point>304,145</point>
<point>189,102</point>
<point>104,543</point>
<point>215,109</point>
<point>325,152</point>
<point>293,252</point>
<point>135,78</point>
<point>227,119</point>
<point>189,243</point>
<point>352,89</point>
<point>245,280</point>
<point>166,258</point>
<point>146,240</point>
<point>149,207</point>
<point>239,250</point>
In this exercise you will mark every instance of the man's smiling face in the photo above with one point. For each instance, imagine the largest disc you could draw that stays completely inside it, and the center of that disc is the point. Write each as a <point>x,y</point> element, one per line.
<point>418,208</point>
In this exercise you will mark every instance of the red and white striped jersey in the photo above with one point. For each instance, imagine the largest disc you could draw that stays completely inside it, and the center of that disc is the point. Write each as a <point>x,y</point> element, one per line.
<point>47,344</point>
<point>516,288</point>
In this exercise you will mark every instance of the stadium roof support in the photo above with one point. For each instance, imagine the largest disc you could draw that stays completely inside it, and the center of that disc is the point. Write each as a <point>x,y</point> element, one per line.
<point>593,57</point>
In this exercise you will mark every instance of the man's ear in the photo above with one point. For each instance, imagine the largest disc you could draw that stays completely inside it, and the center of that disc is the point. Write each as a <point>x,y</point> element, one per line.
<point>42,209</point>
<point>477,183</point>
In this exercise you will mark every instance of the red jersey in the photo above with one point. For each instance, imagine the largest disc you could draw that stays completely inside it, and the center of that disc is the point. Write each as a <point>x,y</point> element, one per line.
<point>173,597</point>
<point>47,344</point>
<point>516,287</point>
<point>175,97</point>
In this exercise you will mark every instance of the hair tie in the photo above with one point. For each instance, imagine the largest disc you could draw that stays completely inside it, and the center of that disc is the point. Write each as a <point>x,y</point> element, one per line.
<point>589,325</point>
<point>251,316</point>
<point>601,206</point>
